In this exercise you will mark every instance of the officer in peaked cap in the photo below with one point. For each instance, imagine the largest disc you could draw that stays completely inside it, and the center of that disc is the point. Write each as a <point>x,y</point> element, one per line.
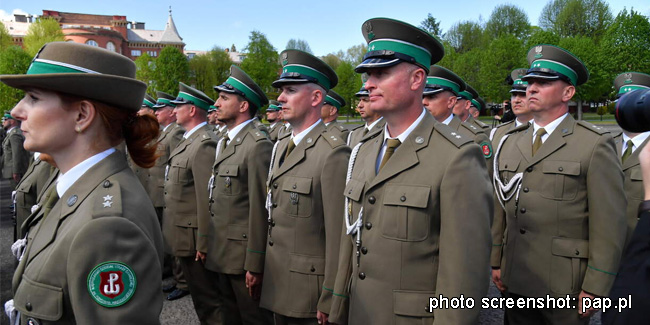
<point>15,159</point>
<point>237,201</point>
<point>384,272</point>
<point>478,103</point>
<point>558,161</point>
<point>628,147</point>
<point>306,179</point>
<point>273,116</point>
<point>464,101</point>
<point>374,122</point>
<point>330,114</point>
<point>186,217</point>
<point>148,101</point>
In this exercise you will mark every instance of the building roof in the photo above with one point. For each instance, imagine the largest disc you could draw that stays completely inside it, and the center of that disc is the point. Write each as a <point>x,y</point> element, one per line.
<point>170,35</point>
<point>16,29</point>
<point>167,36</point>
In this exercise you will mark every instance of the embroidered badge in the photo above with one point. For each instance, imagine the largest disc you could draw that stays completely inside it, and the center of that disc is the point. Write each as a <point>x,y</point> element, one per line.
<point>487,149</point>
<point>369,31</point>
<point>538,51</point>
<point>111,284</point>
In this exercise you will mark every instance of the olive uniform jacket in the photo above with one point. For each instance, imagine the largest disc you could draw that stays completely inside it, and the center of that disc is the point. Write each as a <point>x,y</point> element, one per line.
<point>15,158</point>
<point>567,230</point>
<point>103,220</point>
<point>167,142</point>
<point>274,131</point>
<point>29,190</point>
<point>305,224</point>
<point>633,185</point>
<point>357,134</point>
<point>186,215</point>
<point>425,231</point>
<point>336,127</point>
<point>239,220</point>
<point>471,120</point>
<point>480,137</point>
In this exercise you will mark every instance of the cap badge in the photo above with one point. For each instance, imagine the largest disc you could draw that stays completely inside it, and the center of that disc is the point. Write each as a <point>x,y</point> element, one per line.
<point>628,78</point>
<point>285,58</point>
<point>369,31</point>
<point>538,50</point>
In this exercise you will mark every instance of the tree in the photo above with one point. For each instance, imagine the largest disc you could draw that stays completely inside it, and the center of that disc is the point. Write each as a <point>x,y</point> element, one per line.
<point>5,39</point>
<point>299,44</point>
<point>507,20</point>
<point>503,55</point>
<point>349,84</point>
<point>44,30</point>
<point>332,60</point>
<point>210,69</point>
<point>354,54</point>
<point>599,85</point>
<point>431,25</point>
<point>539,36</point>
<point>171,67</point>
<point>570,18</point>
<point>262,62</point>
<point>146,72</point>
<point>548,17</point>
<point>233,48</point>
<point>13,60</point>
<point>464,36</point>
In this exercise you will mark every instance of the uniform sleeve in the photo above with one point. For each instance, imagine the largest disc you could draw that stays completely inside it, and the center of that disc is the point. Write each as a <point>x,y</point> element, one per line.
<point>498,228</point>
<point>341,294</point>
<point>114,239</point>
<point>607,225</point>
<point>258,169</point>
<point>20,155</point>
<point>333,183</point>
<point>465,240</point>
<point>201,173</point>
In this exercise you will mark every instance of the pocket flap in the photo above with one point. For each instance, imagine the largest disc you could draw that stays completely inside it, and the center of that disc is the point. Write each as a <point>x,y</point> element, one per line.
<point>228,170</point>
<point>45,300</point>
<point>636,174</point>
<point>307,264</point>
<point>407,195</point>
<point>24,187</point>
<point>354,189</point>
<point>412,303</point>
<point>300,185</point>
<point>187,220</point>
<point>570,247</point>
<point>561,167</point>
<point>237,232</point>
<point>509,165</point>
<point>179,162</point>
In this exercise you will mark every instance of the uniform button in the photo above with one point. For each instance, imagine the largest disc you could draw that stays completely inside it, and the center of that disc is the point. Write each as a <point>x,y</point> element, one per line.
<point>372,200</point>
<point>165,192</point>
<point>364,250</point>
<point>294,186</point>
<point>28,306</point>
<point>313,269</point>
<point>560,169</point>
<point>243,235</point>
<point>522,210</point>
<point>506,166</point>
<point>211,200</point>
<point>522,231</point>
<point>275,185</point>
<point>275,205</point>
<point>529,169</point>
<point>165,207</point>
<point>577,252</point>
<point>212,214</point>
<point>107,184</point>
<point>525,189</point>
<point>273,223</point>
<point>189,223</point>
<point>362,275</point>
<point>403,198</point>
<point>368,225</point>
<point>270,243</point>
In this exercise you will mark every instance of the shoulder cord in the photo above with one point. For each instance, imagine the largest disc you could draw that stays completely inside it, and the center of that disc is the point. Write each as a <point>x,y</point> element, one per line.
<point>269,205</point>
<point>353,228</point>
<point>505,192</point>
<point>216,155</point>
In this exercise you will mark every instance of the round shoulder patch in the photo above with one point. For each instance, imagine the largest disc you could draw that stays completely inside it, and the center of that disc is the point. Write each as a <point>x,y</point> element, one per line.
<point>486,147</point>
<point>111,284</point>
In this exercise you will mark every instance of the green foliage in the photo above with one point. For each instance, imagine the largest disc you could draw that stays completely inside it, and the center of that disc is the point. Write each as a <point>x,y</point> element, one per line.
<point>299,45</point>
<point>602,110</point>
<point>570,18</point>
<point>146,72</point>
<point>503,55</point>
<point>349,84</point>
<point>431,25</point>
<point>548,17</point>
<point>5,39</point>
<point>44,30</point>
<point>598,86</point>
<point>262,62</point>
<point>210,69</point>
<point>13,60</point>
<point>332,60</point>
<point>507,20</point>
<point>540,36</point>
<point>171,67</point>
<point>465,36</point>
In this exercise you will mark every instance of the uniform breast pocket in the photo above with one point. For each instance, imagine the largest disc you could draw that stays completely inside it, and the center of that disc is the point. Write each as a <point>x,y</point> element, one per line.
<point>507,169</point>
<point>178,171</point>
<point>404,214</point>
<point>228,180</point>
<point>635,187</point>
<point>561,180</point>
<point>297,196</point>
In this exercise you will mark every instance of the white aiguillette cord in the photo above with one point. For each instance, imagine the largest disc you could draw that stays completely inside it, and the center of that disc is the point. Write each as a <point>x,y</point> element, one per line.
<point>269,205</point>
<point>216,156</point>
<point>505,192</point>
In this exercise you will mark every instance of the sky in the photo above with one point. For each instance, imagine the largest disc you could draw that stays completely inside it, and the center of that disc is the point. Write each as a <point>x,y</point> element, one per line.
<point>327,26</point>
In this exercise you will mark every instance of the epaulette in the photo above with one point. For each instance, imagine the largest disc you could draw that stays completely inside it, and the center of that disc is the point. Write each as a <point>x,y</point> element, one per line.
<point>472,128</point>
<point>356,127</point>
<point>522,127</point>
<point>481,124</point>
<point>333,139</point>
<point>258,134</point>
<point>596,129</point>
<point>341,128</point>
<point>107,199</point>
<point>284,135</point>
<point>451,135</point>
<point>505,124</point>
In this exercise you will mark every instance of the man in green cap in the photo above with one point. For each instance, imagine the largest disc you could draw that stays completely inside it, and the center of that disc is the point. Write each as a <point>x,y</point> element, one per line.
<point>628,146</point>
<point>212,118</point>
<point>374,122</point>
<point>237,190</point>
<point>463,106</point>
<point>330,114</point>
<point>306,179</point>
<point>409,239</point>
<point>564,216</point>
<point>186,216</point>
<point>15,159</point>
<point>475,109</point>
<point>273,116</point>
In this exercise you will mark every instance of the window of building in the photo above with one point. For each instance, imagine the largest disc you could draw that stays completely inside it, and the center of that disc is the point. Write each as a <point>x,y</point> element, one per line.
<point>110,46</point>
<point>91,43</point>
<point>152,54</point>
<point>136,52</point>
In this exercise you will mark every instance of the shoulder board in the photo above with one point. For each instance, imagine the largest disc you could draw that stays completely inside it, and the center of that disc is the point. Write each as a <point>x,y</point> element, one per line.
<point>451,135</point>
<point>356,127</point>
<point>284,135</point>
<point>472,128</point>
<point>333,139</point>
<point>107,199</point>
<point>596,129</point>
<point>519,128</point>
<point>504,124</point>
<point>341,128</point>
<point>481,124</point>
<point>258,134</point>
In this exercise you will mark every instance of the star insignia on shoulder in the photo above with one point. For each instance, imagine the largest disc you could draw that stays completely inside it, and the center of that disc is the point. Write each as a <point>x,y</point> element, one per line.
<point>108,197</point>
<point>108,204</point>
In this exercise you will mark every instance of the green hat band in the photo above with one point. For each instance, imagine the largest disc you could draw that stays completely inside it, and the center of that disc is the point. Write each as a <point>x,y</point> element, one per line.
<point>40,66</point>
<point>420,54</point>
<point>322,79</point>
<point>195,100</point>
<point>165,102</point>
<point>7,116</point>
<point>520,82</point>
<point>148,103</point>
<point>273,107</point>
<point>557,67</point>
<point>465,95</point>
<point>627,88</point>
<point>442,82</point>
<point>330,100</point>
<point>476,104</point>
<point>248,93</point>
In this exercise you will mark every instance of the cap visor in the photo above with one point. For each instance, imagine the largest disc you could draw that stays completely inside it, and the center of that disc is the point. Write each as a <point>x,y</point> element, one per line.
<point>278,83</point>
<point>376,63</point>
<point>539,75</point>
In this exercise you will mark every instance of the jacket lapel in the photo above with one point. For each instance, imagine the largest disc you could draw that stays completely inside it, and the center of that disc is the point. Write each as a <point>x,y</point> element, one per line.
<point>298,153</point>
<point>633,159</point>
<point>555,141</point>
<point>231,148</point>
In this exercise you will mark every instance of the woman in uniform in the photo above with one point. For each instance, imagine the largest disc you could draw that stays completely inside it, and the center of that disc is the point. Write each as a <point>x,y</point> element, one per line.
<point>93,252</point>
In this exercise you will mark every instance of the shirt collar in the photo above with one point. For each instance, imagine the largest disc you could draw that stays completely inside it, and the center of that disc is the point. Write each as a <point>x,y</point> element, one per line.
<point>167,127</point>
<point>402,137</point>
<point>372,125</point>
<point>11,129</point>
<point>68,179</point>
<point>551,126</point>
<point>298,137</point>
<point>189,133</point>
<point>637,140</point>
<point>232,133</point>
<point>518,123</point>
<point>448,120</point>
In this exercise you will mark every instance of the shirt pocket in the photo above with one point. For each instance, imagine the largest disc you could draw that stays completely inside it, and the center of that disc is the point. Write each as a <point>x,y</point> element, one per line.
<point>178,171</point>
<point>635,188</point>
<point>45,301</point>
<point>296,192</point>
<point>568,264</point>
<point>560,181</point>
<point>404,213</point>
<point>228,182</point>
<point>507,169</point>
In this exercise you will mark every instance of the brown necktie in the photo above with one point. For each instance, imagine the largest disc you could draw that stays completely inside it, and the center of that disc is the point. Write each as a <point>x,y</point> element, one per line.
<point>50,201</point>
<point>628,150</point>
<point>365,131</point>
<point>538,140</point>
<point>224,143</point>
<point>391,145</point>
<point>290,148</point>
